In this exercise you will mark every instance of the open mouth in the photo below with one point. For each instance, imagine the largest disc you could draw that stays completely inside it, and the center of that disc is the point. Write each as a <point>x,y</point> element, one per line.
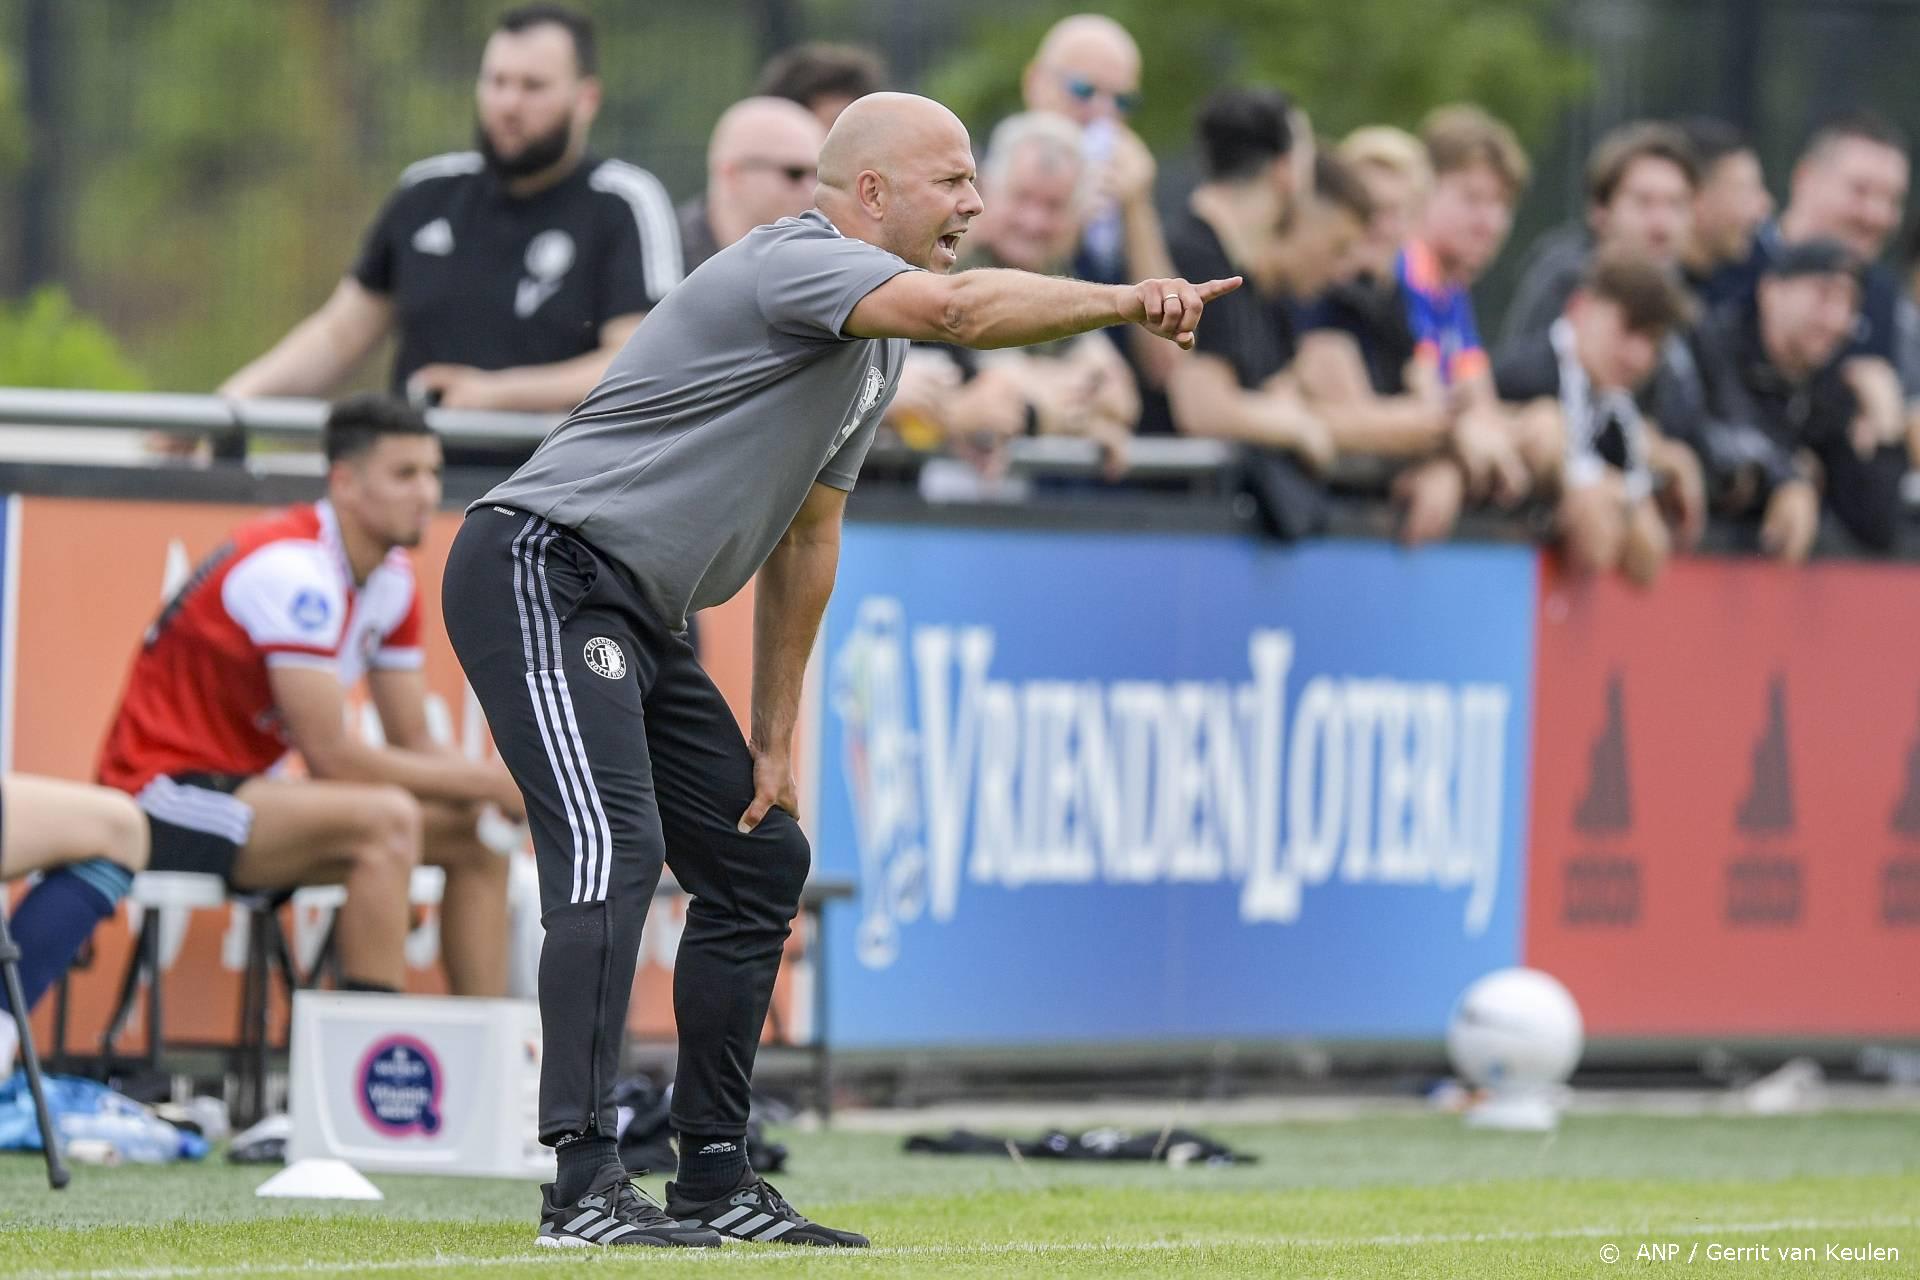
<point>951,242</point>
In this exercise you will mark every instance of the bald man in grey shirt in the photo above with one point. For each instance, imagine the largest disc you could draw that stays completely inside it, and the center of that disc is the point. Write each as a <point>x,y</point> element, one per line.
<point>722,442</point>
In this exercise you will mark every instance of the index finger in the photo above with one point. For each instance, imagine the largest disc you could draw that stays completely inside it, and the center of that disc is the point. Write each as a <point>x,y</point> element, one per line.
<point>1217,288</point>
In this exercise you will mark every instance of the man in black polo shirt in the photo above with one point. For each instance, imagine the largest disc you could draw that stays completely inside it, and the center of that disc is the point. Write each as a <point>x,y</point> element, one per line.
<point>511,273</point>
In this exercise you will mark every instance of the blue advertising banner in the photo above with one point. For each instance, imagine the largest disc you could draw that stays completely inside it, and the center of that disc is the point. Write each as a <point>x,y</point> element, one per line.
<point>1133,787</point>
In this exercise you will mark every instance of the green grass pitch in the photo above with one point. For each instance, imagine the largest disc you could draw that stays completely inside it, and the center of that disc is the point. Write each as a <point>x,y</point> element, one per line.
<point>1389,1195</point>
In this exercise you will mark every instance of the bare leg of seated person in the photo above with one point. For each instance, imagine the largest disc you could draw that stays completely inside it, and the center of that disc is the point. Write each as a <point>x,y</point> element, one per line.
<point>473,909</point>
<point>89,841</point>
<point>364,836</point>
<point>49,823</point>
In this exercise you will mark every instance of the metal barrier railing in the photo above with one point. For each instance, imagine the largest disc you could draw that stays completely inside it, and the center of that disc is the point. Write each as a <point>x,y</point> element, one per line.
<point>234,422</point>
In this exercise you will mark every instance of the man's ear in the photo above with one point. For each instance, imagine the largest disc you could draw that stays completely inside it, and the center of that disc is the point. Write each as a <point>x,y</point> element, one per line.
<point>340,476</point>
<point>589,105</point>
<point>871,190</point>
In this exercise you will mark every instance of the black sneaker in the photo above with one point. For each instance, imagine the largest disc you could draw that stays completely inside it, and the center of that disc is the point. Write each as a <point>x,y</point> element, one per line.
<point>615,1212</point>
<point>758,1212</point>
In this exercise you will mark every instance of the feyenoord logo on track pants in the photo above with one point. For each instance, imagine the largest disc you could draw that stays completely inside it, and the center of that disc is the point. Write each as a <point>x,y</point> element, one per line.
<point>628,756</point>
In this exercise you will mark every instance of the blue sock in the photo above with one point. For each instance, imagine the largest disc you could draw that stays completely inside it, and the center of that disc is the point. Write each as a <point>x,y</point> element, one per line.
<point>58,915</point>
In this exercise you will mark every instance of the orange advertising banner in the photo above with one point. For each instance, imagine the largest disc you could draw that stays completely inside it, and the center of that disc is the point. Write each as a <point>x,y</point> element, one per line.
<point>88,575</point>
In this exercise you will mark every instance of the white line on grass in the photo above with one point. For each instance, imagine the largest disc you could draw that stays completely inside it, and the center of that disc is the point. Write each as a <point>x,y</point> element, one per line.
<point>1009,1248</point>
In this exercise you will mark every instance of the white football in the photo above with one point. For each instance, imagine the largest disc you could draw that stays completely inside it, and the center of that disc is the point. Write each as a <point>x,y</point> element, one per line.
<point>1515,1027</point>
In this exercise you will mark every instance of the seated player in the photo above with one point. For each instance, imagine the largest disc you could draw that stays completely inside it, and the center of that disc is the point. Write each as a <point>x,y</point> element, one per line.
<point>1580,375</point>
<point>87,842</point>
<point>252,658</point>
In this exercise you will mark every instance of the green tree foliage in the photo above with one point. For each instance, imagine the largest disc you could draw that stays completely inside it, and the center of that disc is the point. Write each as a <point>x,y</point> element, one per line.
<point>221,178</point>
<point>44,342</point>
<point>1350,62</point>
<point>13,126</point>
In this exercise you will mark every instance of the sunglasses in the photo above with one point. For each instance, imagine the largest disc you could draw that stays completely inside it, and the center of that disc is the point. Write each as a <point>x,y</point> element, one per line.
<point>1086,91</point>
<point>791,172</point>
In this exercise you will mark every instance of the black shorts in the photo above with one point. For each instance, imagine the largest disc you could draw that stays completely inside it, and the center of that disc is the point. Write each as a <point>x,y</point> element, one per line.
<point>197,823</point>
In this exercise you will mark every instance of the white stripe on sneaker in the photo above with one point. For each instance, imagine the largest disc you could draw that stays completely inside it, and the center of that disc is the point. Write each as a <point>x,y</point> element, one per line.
<point>597,1229</point>
<point>752,1224</point>
<point>730,1216</point>
<point>777,1230</point>
<point>581,1221</point>
<point>625,1228</point>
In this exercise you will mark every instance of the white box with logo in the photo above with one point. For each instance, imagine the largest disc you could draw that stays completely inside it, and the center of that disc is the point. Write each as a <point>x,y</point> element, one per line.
<point>417,1084</point>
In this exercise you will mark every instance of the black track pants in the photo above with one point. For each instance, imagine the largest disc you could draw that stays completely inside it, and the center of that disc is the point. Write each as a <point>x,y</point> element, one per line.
<point>627,756</point>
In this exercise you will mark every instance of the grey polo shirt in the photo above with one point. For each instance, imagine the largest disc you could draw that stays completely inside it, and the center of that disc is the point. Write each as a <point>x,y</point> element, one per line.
<point>739,391</point>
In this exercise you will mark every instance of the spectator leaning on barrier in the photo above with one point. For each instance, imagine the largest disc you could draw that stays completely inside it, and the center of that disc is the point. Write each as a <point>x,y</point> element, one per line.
<point>510,273</point>
<point>1357,343</point>
<point>1234,384</point>
<point>1730,204</point>
<point>1641,181</point>
<point>86,843</point>
<point>1850,185</point>
<point>1581,371</point>
<point>1794,418</point>
<point>762,165</point>
<point>1032,184</point>
<point>823,78</point>
<point>1479,172</point>
<point>1323,244</point>
<point>252,658</point>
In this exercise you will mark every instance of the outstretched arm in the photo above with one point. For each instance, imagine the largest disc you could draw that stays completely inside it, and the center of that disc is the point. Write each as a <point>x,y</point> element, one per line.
<point>1000,308</point>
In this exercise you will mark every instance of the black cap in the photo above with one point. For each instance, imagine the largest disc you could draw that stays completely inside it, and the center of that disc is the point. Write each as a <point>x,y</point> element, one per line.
<point>1818,257</point>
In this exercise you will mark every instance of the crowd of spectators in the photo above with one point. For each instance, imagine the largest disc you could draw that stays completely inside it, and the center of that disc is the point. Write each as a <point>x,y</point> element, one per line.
<point>1680,354</point>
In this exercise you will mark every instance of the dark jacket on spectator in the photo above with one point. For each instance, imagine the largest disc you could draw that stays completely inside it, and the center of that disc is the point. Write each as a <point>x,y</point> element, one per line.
<point>1761,418</point>
<point>1549,278</point>
<point>1888,318</point>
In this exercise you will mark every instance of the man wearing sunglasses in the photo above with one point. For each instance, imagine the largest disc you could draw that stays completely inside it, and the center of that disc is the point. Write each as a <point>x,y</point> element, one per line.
<point>1088,69</point>
<point>761,167</point>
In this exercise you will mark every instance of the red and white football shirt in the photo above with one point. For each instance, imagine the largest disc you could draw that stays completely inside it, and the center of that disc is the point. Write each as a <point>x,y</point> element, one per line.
<point>279,592</point>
